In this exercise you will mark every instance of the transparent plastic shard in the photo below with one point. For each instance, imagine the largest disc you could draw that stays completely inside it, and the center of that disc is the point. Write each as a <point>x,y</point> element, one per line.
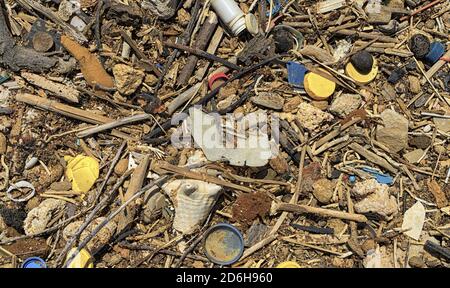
<point>242,141</point>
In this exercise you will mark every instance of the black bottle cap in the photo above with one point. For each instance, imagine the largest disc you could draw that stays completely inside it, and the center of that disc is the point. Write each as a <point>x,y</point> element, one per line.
<point>419,45</point>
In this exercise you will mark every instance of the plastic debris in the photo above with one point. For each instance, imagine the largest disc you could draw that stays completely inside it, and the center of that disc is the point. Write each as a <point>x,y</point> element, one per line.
<point>17,186</point>
<point>82,171</point>
<point>34,262</point>
<point>82,260</point>
<point>223,244</point>
<point>296,74</point>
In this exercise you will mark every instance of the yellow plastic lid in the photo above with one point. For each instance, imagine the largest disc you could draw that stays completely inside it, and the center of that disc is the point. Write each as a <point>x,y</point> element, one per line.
<point>82,260</point>
<point>318,87</point>
<point>362,78</point>
<point>82,171</point>
<point>288,264</point>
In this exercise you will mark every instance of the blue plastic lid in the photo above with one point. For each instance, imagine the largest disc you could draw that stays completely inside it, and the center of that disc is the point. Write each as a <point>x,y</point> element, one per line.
<point>223,244</point>
<point>296,74</point>
<point>437,50</point>
<point>34,262</point>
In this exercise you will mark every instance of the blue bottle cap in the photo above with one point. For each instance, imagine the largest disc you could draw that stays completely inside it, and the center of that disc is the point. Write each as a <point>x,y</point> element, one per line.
<point>223,244</point>
<point>34,262</point>
<point>437,50</point>
<point>296,74</point>
<point>352,178</point>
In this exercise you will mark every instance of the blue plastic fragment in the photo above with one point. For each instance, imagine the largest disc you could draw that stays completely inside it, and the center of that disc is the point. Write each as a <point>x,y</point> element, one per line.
<point>3,79</point>
<point>380,177</point>
<point>352,178</point>
<point>276,6</point>
<point>296,74</point>
<point>437,50</point>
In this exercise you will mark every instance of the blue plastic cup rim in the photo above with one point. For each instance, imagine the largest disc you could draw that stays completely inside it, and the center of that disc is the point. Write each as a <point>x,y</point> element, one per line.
<point>35,260</point>
<point>234,230</point>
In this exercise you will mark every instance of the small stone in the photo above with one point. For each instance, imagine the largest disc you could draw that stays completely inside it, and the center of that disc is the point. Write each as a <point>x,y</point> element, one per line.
<point>419,45</point>
<point>283,41</point>
<point>323,190</point>
<point>3,144</point>
<point>442,124</point>
<point>416,262</point>
<point>151,79</point>
<point>121,167</point>
<point>155,203</point>
<point>413,220</point>
<point>42,41</point>
<point>421,142</point>
<point>322,105</point>
<point>345,104</point>
<point>368,245</point>
<point>291,105</point>
<point>61,186</point>
<point>311,117</point>
<point>414,84</point>
<point>279,164</point>
<point>394,131</point>
<point>396,75</point>
<point>396,4</point>
<point>362,61</point>
<point>427,128</point>
<point>269,100</point>
<point>127,78</point>
<point>337,225</point>
<point>414,156</point>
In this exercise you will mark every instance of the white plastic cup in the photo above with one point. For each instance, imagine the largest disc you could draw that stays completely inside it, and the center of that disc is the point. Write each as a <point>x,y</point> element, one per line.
<point>230,13</point>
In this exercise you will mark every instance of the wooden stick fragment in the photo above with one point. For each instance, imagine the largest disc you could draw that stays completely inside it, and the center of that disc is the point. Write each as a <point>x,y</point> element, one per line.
<point>372,157</point>
<point>297,208</point>
<point>114,124</point>
<point>66,110</point>
<point>59,90</point>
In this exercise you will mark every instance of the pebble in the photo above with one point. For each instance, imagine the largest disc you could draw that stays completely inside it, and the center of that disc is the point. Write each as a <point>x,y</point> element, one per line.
<point>427,128</point>
<point>337,225</point>
<point>283,41</point>
<point>414,156</point>
<point>442,124</point>
<point>42,41</point>
<point>345,104</point>
<point>414,84</point>
<point>268,100</point>
<point>121,167</point>
<point>419,45</point>
<point>421,142</point>
<point>416,262</point>
<point>362,61</point>
<point>127,78</point>
<point>323,190</point>
<point>394,131</point>
<point>3,144</point>
<point>61,186</point>
<point>396,75</point>
<point>311,117</point>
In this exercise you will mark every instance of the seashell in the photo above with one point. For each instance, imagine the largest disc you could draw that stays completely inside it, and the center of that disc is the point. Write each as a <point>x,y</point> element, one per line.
<point>31,162</point>
<point>38,218</point>
<point>193,200</point>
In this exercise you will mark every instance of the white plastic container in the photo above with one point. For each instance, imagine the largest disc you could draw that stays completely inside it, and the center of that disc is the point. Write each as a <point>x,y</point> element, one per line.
<point>230,13</point>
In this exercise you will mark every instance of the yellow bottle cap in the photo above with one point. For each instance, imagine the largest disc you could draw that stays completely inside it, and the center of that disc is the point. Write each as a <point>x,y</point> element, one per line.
<point>288,264</point>
<point>362,78</point>
<point>82,260</point>
<point>318,87</point>
<point>82,171</point>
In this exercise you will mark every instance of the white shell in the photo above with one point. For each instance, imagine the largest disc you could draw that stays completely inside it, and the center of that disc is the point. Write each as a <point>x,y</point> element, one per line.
<point>193,200</point>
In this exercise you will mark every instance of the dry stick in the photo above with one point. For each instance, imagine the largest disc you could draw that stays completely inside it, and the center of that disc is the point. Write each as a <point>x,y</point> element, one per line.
<point>297,208</point>
<point>190,249</point>
<point>203,54</point>
<point>436,67</point>
<point>347,32</point>
<point>97,209</point>
<point>201,43</point>
<point>114,124</point>
<point>198,176</point>
<point>294,198</point>
<point>153,186</point>
<point>139,53</point>
<point>312,246</point>
<point>162,251</point>
<point>372,157</point>
<point>419,10</point>
<point>258,246</point>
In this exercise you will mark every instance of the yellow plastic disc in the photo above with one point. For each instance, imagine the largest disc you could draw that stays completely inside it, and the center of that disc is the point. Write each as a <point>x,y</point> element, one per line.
<point>288,264</point>
<point>82,171</point>
<point>361,78</point>
<point>82,260</point>
<point>318,87</point>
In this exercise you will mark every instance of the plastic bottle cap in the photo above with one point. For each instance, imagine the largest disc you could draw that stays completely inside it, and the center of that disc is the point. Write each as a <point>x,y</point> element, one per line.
<point>82,171</point>
<point>362,78</point>
<point>81,260</point>
<point>237,25</point>
<point>251,23</point>
<point>34,262</point>
<point>223,244</point>
<point>213,78</point>
<point>437,49</point>
<point>318,87</point>
<point>288,264</point>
